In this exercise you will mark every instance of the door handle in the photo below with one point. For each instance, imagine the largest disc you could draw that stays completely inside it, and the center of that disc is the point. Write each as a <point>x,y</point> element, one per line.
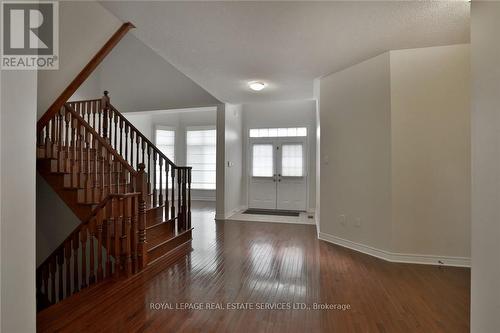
<point>279,177</point>
<point>274,178</point>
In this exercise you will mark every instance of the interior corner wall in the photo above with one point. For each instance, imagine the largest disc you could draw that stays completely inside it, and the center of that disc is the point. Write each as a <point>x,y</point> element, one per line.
<point>84,27</point>
<point>485,60</point>
<point>300,113</point>
<point>220,201</point>
<point>355,153</point>
<point>1,140</point>
<point>233,165</point>
<point>430,142</point>
<point>395,155</point>
<point>18,104</point>
<point>317,97</point>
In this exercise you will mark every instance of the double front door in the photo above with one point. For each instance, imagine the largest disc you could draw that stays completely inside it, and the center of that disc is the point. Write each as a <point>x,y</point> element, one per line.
<point>277,173</point>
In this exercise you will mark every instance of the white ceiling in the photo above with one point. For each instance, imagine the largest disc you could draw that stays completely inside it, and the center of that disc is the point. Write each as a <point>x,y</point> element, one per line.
<point>223,45</point>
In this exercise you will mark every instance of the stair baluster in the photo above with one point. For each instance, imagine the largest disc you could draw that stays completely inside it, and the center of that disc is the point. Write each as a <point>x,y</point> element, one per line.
<point>67,257</point>
<point>88,153</point>
<point>92,252</point>
<point>99,224</point>
<point>83,240</point>
<point>60,263</point>
<point>155,202</point>
<point>75,262</point>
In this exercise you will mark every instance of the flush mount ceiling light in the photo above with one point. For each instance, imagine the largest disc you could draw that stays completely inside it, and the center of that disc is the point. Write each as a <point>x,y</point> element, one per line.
<point>256,85</point>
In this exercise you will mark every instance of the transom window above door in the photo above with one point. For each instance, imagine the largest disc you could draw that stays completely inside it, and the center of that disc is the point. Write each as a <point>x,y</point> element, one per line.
<point>278,132</point>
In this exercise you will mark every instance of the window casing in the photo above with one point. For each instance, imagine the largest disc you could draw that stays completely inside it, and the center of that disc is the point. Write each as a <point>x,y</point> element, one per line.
<point>277,132</point>
<point>292,160</point>
<point>262,160</point>
<point>201,156</point>
<point>165,141</point>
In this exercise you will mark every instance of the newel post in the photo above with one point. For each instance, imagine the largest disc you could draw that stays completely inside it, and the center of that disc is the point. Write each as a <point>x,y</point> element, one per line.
<point>142,188</point>
<point>105,110</point>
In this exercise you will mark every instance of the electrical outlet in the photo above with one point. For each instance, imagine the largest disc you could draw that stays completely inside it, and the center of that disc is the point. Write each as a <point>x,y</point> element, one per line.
<point>342,220</point>
<point>357,222</point>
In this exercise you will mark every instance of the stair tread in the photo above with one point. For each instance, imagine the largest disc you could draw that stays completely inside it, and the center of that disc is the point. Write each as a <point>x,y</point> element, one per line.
<point>84,168</point>
<point>156,207</point>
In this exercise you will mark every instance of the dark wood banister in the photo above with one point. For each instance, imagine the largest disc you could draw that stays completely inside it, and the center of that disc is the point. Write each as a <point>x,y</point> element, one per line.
<point>145,139</point>
<point>84,74</point>
<point>101,140</point>
<point>92,214</point>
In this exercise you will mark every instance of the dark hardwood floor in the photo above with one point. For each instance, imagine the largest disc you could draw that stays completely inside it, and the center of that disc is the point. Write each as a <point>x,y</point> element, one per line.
<point>263,265</point>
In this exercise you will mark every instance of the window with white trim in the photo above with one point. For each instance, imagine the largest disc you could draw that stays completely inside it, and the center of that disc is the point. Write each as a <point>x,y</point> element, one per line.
<point>277,132</point>
<point>201,155</point>
<point>262,160</point>
<point>292,160</point>
<point>165,141</point>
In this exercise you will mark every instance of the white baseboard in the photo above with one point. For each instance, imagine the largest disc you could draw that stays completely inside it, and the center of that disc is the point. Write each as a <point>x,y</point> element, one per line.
<point>234,211</point>
<point>397,257</point>
<point>203,198</point>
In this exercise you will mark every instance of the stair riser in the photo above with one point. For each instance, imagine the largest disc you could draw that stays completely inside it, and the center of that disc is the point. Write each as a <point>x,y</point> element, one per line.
<point>159,233</point>
<point>95,195</point>
<point>66,165</point>
<point>75,180</point>
<point>168,246</point>
<point>154,216</point>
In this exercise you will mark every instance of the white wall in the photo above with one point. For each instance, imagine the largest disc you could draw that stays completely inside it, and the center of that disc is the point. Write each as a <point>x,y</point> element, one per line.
<point>17,229</point>
<point>220,201</point>
<point>143,122</point>
<point>84,27</point>
<point>485,278</point>
<point>430,124</point>
<point>282,114</point>
<point>138,79</point>
<point>233,159</point>
<point>1,286</point>
<point>395,155</point>
<point>317,97</point>
<point>355,153</point>
<point>90,88</point>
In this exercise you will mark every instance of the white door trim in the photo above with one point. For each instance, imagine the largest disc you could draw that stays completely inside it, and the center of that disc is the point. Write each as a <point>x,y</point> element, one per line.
<point>248,163</point>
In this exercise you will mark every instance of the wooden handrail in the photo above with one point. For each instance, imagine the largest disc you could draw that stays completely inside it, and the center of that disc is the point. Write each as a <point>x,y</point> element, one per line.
<point>82,154</point>
<point>99,138</point>
<point>143,137</point>
<point>92,214</point>
<point>85,100</point>
<point>84,74</point>
<point>160,169</point>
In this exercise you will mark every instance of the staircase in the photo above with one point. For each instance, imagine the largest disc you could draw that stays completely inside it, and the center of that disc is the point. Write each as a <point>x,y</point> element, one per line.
<point>134,204</point>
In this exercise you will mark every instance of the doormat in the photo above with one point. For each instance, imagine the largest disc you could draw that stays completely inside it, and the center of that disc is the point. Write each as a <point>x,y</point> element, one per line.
<point>272,212</point>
